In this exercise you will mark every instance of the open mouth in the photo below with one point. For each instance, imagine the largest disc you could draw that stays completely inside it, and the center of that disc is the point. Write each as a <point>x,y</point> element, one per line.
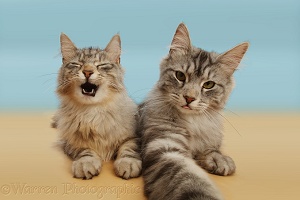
<point>89,89</point>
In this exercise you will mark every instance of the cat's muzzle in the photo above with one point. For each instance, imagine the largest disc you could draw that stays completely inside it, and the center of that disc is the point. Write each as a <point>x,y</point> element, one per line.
<point>89,89</point>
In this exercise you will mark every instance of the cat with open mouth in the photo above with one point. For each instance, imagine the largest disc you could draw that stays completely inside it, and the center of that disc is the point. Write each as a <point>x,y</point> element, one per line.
<point>96,119</point>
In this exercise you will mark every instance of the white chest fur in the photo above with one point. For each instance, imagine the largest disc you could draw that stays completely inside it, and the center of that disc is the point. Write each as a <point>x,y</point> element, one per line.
<point>102,129</point>
<point>205,133</point>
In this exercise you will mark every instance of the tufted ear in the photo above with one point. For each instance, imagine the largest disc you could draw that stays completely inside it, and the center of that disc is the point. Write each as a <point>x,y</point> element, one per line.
<point>113,49</point>
<point>181,43</point>
<point>68,49</point>
<point>232,58</point>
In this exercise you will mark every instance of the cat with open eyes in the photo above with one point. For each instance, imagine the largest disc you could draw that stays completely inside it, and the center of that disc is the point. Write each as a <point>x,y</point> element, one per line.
<point>96,119</point>
<point>180,122</point>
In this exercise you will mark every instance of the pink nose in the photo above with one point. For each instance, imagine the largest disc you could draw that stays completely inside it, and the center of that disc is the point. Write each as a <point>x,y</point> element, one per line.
<point>189,99</point>
<point>87,73</point>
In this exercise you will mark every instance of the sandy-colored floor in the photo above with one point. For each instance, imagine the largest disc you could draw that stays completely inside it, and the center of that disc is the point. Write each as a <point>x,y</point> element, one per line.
<point>265,147</point>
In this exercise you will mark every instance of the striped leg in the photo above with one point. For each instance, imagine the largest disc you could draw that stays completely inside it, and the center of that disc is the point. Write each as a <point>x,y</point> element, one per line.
<point>171,174</point>
<point>86,163</point>
<point>128,163</point>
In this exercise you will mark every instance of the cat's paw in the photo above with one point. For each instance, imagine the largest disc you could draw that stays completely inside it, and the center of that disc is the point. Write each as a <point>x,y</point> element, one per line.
<point>86,167</point>
<point>218,164</point>
<point>128,167</point>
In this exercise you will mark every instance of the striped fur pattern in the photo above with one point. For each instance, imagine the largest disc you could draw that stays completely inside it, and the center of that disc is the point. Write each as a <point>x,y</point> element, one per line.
<point>180,122</point>
<point>96,119</point>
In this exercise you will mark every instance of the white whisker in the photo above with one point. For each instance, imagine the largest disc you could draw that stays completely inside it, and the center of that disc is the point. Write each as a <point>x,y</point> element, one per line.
<point>225,119</point>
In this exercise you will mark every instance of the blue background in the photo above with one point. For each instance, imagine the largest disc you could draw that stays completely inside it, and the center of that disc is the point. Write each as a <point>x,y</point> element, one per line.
<point>268,80</point>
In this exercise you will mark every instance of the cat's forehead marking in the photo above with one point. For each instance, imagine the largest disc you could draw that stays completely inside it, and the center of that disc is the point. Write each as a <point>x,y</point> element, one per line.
<point>189,67</point>
<point>90,54</point>
<point>198,64</point>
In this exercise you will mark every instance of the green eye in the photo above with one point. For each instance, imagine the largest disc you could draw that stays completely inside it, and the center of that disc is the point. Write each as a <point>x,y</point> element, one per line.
<point>180,76</point>
<point>209,84</point>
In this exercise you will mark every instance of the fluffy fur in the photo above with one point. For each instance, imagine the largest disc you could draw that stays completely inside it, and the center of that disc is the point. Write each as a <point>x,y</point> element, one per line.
<point>96,119</point>
<point>180,122</point>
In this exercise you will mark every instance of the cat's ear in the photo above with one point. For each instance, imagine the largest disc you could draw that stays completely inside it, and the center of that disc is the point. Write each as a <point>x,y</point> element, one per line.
<point>232,58</point>
<point>113,49</point>
<point>181,43</point>
<point>68,49</point>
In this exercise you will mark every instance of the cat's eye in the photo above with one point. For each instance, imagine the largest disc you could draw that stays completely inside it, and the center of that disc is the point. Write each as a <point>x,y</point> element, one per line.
<point>101,65</point>
<point>180,76</point>
<point>209,84</point>
<point>104,66</point>
<point>72,65</point>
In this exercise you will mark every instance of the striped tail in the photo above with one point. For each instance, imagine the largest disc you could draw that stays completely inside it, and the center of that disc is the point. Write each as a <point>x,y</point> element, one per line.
<point>173,175</point>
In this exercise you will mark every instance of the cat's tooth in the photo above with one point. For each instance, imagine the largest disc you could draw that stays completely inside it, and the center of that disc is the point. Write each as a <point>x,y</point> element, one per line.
<point>84,91</point>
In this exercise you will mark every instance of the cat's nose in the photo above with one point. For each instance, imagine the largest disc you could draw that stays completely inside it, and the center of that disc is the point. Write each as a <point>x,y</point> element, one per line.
<point>87,73</point>
<point>189,99</point>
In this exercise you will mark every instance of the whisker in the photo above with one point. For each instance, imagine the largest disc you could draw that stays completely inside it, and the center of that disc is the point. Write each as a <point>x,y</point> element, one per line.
<point>225,119</point>
<point>232,112</point>
<point>46,75</point>
<point>209,116</point>
<point>47,81</point>
<point>158,102</point>
<point>132,94</point>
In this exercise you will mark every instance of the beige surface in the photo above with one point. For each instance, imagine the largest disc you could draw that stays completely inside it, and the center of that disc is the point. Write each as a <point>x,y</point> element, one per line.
<point>266,150</point>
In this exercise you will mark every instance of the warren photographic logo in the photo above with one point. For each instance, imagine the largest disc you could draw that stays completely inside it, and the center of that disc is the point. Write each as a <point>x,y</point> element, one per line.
<point>68,189</point>
<point>100,191</point>
<point>25,189</point>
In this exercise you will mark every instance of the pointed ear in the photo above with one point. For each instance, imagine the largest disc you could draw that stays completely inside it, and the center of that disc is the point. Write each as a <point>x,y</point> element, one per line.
<point>181,42</point>
<point>113,49</point>
<point>68,49</point>
<point>232,58</point>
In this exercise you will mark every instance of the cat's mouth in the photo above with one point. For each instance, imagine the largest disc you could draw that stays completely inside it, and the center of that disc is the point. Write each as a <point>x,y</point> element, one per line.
<point>89,89</point>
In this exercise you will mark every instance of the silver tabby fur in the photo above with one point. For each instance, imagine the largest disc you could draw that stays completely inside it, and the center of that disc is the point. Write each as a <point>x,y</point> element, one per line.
<point>96,119</point>
<point>180,122</point>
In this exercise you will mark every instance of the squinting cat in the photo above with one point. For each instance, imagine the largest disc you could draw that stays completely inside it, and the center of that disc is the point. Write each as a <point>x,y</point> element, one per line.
<point>180,121</point>
<point>96,119</point>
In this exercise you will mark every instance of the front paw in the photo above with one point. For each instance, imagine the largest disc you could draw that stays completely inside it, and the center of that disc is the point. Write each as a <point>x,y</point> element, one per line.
<point>86,167</point>
<point>128,167</point>
<point>218,164</point>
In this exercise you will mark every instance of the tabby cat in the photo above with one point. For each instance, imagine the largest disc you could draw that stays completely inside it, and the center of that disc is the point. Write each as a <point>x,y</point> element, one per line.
<point>180,121</point>
<point>96,119</point>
